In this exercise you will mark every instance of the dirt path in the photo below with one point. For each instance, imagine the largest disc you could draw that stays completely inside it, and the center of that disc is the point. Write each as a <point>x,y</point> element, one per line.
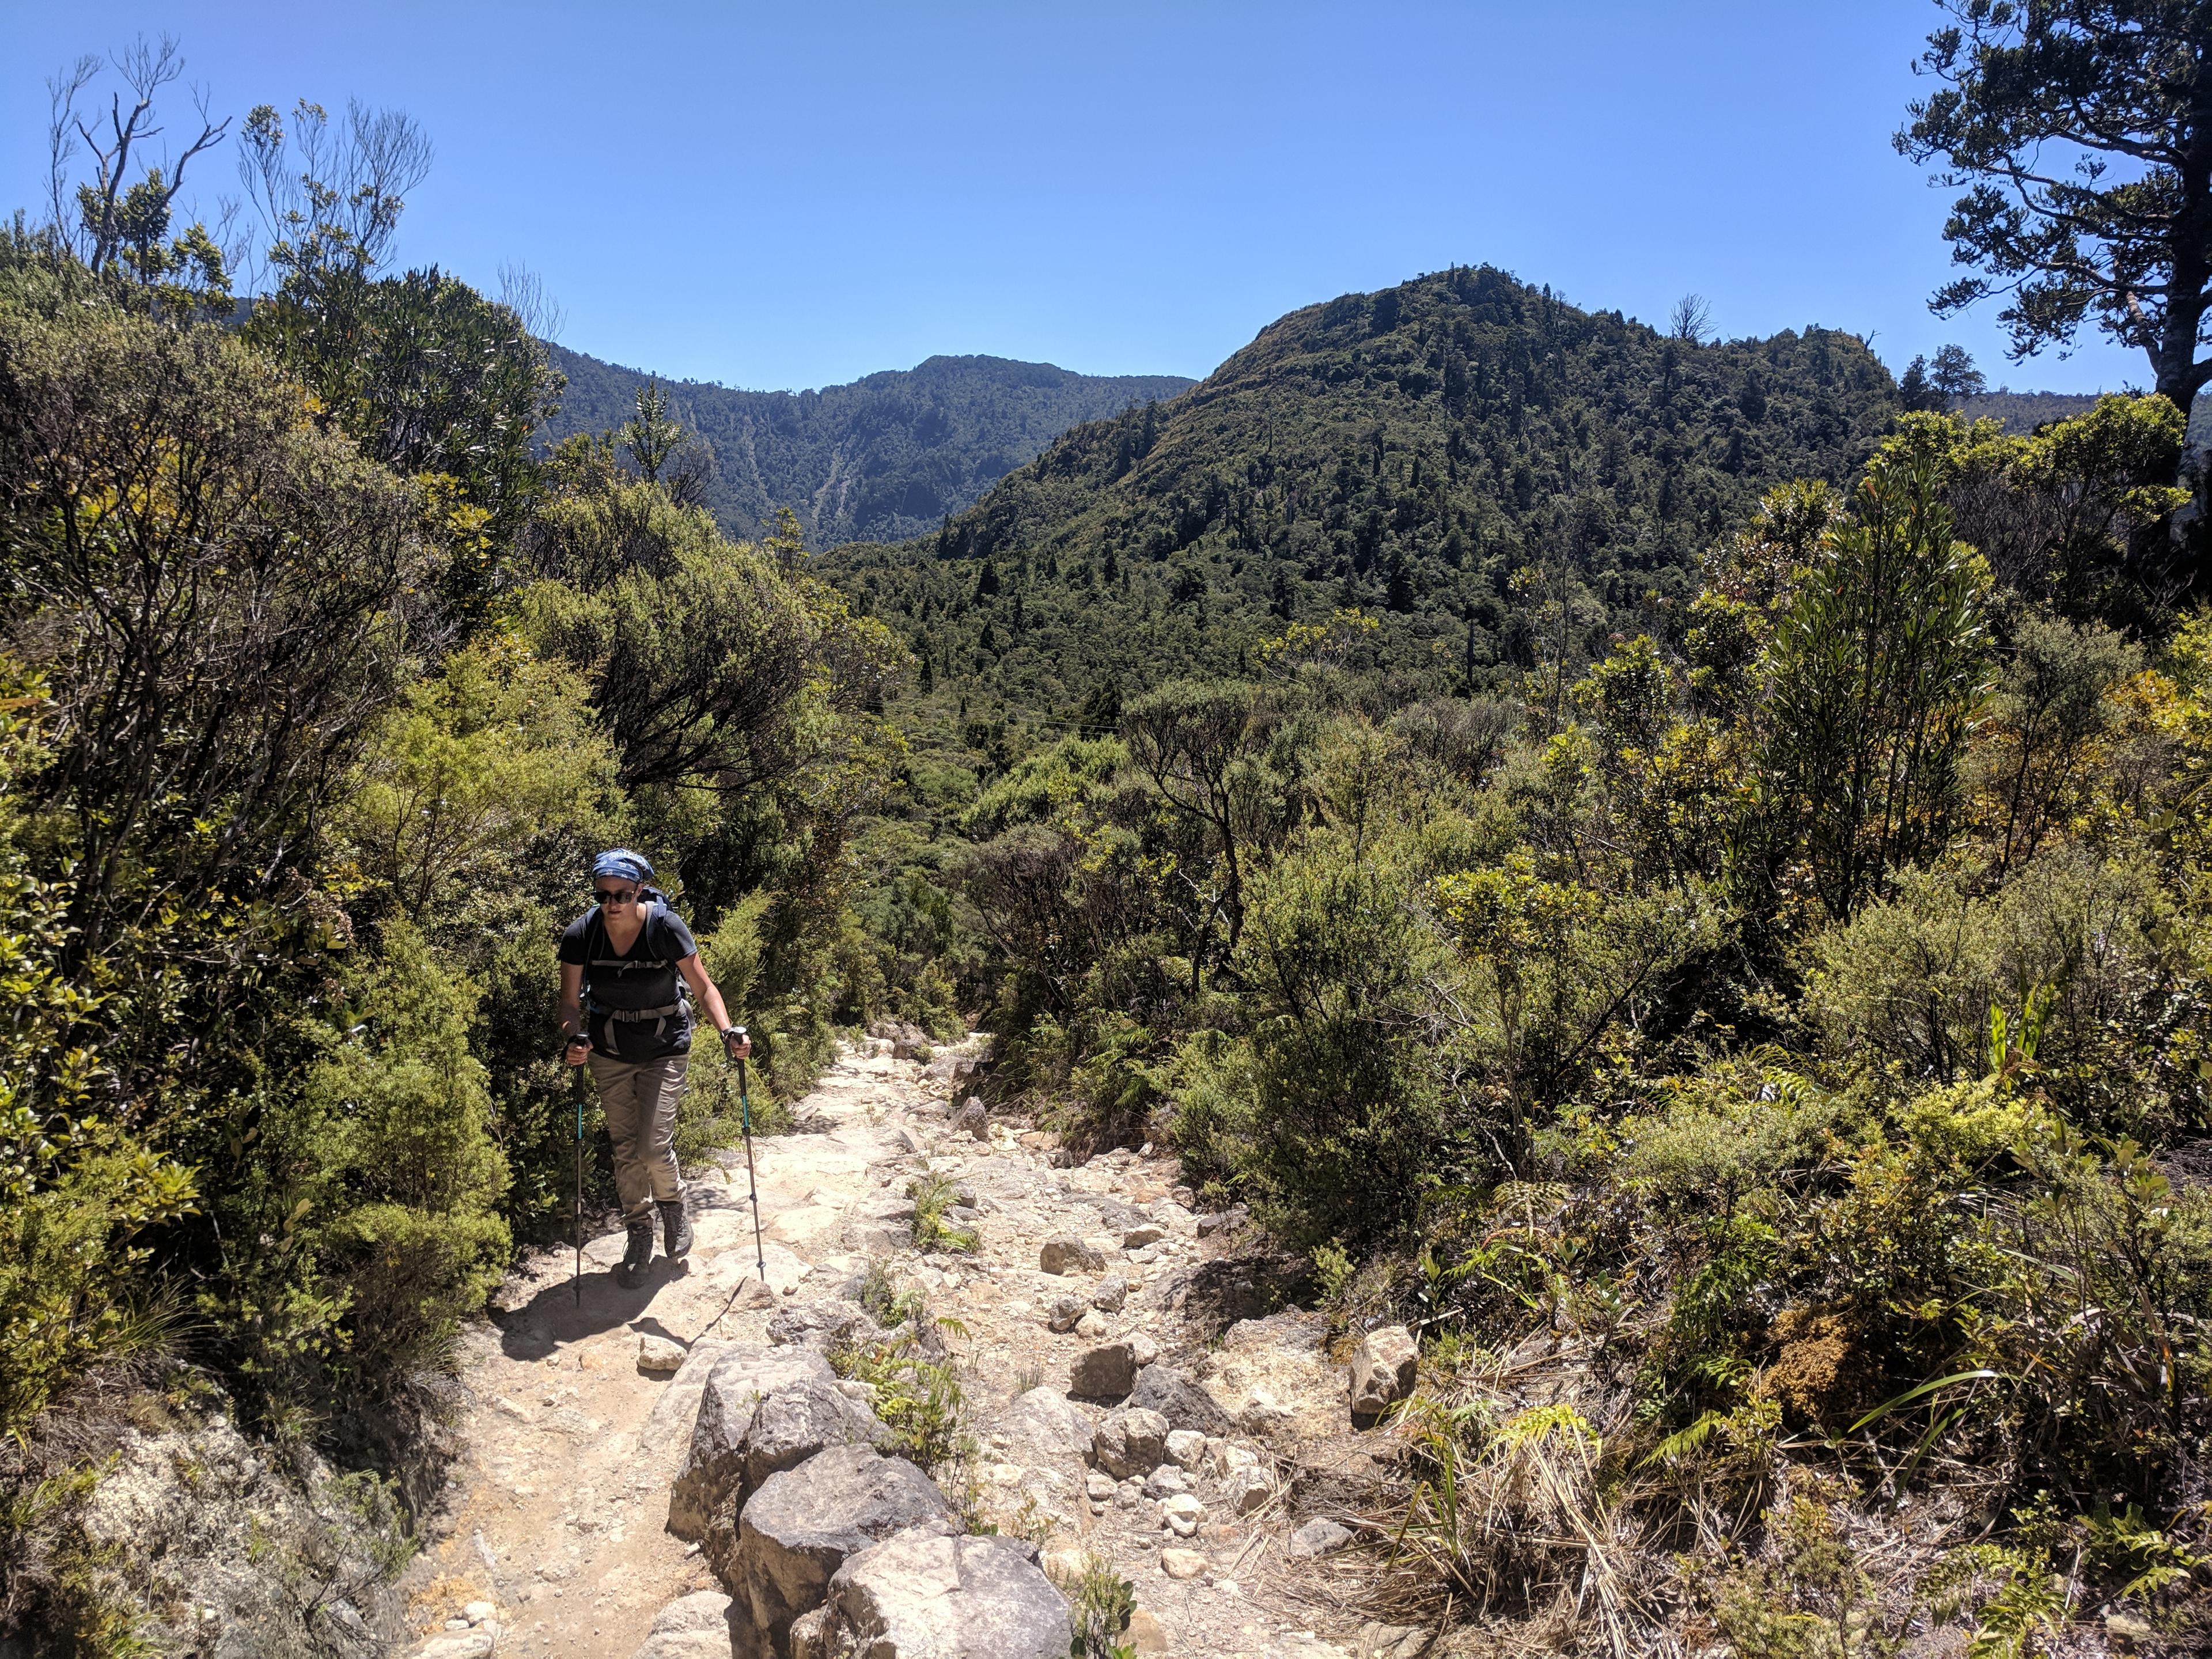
<point>551,1541</point>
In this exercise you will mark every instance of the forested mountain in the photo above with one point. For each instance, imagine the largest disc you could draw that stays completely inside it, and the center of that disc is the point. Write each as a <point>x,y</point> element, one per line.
<point>884,457</point>
<point>1463,455</point>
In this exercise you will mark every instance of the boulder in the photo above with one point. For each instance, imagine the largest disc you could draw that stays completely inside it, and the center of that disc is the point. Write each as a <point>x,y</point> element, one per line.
<point>971,1120</point>
<point>1064,1253</point>
<point>793,1423</point>
<point>713,1467</point>
<point>1317,1538</point>
<point>908,1041</point>
<point>1106,1372</point>
<point>1048,1422</point>
<point>789,1426</point>
<point>803,1524</point>
<point>1065,1314</point>
<point>1109,1293</point>
<point>1186,1447</point>
<point>1185,1404</point>
<point>1383,1367</point>
<point>1143,1233</point>
<point>830,1322</point>
<point>924,1597</point>
<point>1131,1444</point>
<point>695,1627</point>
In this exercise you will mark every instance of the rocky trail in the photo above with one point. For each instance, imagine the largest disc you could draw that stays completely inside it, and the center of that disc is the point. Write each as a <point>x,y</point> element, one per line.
<point>1102,1419</point>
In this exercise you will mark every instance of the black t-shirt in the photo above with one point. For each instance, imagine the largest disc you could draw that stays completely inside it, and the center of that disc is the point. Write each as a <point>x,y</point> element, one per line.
<point>643,981</point>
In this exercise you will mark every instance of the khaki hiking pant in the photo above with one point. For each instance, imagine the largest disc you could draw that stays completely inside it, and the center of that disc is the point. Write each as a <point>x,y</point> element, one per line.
<point>639,1097</point>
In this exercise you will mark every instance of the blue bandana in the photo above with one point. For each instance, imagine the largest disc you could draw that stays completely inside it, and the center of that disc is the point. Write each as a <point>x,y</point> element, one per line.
<point>623,865</point>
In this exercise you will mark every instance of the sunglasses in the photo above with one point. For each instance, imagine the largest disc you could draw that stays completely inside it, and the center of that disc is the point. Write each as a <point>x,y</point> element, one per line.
<point>615,895</point>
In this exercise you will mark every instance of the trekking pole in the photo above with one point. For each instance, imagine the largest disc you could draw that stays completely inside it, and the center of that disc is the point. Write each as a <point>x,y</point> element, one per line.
<point>752,1182</point>
<point>579,1274</point>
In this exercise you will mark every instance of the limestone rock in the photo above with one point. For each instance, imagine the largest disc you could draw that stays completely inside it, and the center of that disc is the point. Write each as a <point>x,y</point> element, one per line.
<point>1092,1325</point>
<point>1317,1538</point>
<point>1064,1253</point>
<point>1147,1233</point>
<point>1106,1372</point>
<point>1182,1513</point>
<point>1247,1489</point>
<point>713,1468</point>
<point>924,1597</point>
<point>971,1120</point>
<point>695,1627</point>
<point>1109,1293</point>
<point>1186,1447</point>
<point>1383,1367</point>
<point>1166,1481</point>
<point>1131,1444</point>
<point>908,1041</point>
<point>1143,1349</point>
<point>1185,1404</point>
<point>1046,1421</point>
<point>1182,1563</point>
<point>658,1357</point>
<point>1064,1315</point>
<point>805,1523</point>
<point>825,1324</point>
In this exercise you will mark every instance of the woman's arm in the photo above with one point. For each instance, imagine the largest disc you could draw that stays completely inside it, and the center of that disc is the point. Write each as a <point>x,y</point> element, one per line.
<point>694,975</point>
<point>572,1014</point>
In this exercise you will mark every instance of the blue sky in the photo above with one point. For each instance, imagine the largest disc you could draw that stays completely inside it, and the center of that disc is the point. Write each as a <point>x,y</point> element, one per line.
<point>795,195</point>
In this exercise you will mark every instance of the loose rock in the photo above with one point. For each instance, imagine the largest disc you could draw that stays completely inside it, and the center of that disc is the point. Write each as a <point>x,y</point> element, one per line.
<point>658,1357</point>
<point>1182,1563</point>
<point>1247,1490</point>
<point>1106,1372</point>
<point>1317,1538</point>
<point>695,1627</point>
<point>1185,1404</point>
<point>1186,1447</point>
<point>1064,1315</point>
<point>825,1324</point>
<point>1383,1368</point>
<point>1110,1294</point>
<point>1182,1513</point>
<point>1137,1237</point>
<point>1131,1444</point>
<point>1064,1253</point>
<point>971,1120</point>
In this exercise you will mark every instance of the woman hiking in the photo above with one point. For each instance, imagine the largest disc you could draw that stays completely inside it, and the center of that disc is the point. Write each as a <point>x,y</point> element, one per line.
<point>626,966</point>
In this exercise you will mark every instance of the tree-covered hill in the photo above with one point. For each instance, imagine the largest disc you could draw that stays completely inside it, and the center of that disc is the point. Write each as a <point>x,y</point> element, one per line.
<point>884,458</point>
<point>1500,476</point>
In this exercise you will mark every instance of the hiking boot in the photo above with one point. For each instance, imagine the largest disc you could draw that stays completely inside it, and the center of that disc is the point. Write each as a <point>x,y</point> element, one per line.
<point>638,1256</point>
<point>675,1228</point>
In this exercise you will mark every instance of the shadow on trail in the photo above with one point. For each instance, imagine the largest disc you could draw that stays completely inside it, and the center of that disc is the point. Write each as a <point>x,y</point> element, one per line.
<point>555,1315</point>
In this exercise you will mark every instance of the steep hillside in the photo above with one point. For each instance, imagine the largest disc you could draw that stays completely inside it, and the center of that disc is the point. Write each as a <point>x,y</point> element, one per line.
<point>884,457</point>
<point>1464,455</point>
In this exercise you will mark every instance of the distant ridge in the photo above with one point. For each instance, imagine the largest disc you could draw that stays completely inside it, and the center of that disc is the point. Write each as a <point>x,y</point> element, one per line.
<point>2021,412</point>
<point>1461,457</point>
<point>881,460</point>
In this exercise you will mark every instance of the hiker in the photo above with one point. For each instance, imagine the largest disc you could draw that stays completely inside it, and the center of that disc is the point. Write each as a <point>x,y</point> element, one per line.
<point>626,966</point>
